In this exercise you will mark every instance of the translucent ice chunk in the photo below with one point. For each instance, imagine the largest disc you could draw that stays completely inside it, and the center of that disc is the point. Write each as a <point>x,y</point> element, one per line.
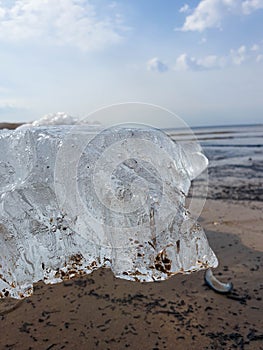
<point>76,199</point>
<point>59,118</point>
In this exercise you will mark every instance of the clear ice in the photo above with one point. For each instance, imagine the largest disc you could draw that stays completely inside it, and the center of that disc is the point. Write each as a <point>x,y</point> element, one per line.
<point>69,206</point>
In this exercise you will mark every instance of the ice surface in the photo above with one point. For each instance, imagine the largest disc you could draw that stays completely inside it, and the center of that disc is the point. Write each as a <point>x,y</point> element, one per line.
<point>58,118</point>
<point>76,199</point>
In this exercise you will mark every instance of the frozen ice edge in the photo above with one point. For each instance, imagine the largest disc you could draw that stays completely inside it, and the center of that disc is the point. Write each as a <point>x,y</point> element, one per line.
<point>42,240</point>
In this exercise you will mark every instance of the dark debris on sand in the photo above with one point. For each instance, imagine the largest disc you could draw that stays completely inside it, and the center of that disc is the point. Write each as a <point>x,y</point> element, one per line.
<point>104,313</point>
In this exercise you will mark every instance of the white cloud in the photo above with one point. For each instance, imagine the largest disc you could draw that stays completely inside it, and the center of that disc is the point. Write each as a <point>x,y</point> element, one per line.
<point>62,22</point>
<point>211,62</point>
<point>254,47</point>
<point>239,56</point>
<point>156,65</point>
<point>249,6</point>
<point>184,8</point>
<point>185,63</point>
<point>210,13</point>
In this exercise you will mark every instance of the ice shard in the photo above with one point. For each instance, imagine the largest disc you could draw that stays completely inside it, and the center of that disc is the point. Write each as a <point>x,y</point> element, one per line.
<point>77,198</point>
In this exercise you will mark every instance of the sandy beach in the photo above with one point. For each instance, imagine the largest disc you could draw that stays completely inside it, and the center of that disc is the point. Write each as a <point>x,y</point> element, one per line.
<point>99,311</point>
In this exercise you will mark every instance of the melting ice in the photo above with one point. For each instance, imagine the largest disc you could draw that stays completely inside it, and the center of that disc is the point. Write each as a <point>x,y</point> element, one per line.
<point>74,199</point>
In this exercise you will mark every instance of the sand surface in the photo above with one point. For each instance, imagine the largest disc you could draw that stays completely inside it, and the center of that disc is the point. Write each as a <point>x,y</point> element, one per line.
<point>99,311</point>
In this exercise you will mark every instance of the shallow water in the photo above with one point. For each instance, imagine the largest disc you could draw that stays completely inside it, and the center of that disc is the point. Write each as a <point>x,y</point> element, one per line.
<point>235,156</point>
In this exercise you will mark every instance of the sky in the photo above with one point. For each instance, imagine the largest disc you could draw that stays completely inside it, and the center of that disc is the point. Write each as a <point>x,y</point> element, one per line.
<point>203,60</point>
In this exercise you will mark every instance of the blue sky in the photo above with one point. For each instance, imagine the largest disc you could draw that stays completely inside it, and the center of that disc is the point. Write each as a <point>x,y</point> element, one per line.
<point>202,60</point>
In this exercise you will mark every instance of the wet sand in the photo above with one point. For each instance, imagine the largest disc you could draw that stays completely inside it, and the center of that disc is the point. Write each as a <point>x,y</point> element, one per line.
<point>99,311</point>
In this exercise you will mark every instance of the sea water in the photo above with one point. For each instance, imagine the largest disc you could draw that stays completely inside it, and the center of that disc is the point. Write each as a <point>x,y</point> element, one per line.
<point>235,156</point>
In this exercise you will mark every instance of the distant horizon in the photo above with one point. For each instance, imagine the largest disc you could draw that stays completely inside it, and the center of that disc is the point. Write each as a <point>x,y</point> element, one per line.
<point>191,122</point>
<point>166,128</point>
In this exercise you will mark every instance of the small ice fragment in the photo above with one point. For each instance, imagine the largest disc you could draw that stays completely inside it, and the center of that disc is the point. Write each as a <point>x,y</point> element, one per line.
<point>59,118</point>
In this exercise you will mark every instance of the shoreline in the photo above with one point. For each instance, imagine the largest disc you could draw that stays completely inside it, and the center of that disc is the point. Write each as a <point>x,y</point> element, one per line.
<point>10,126</point>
